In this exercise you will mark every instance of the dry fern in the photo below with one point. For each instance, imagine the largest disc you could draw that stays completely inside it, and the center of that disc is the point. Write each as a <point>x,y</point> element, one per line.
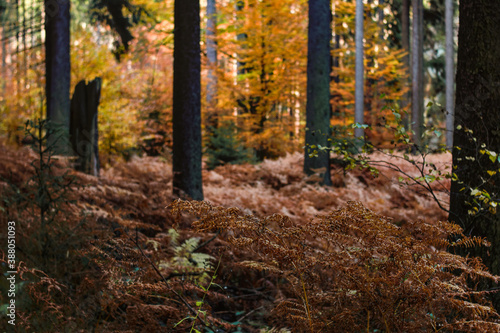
<point>353,269</point>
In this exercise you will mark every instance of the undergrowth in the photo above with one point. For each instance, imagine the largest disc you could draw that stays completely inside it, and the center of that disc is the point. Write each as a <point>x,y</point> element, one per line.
<point>120,261</point>
<point>355,271</point>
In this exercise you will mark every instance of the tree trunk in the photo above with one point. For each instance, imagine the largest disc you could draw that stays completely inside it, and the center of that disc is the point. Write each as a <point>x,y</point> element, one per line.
<point>450,73</point>
<point>359,93</point>
<point>477,113</point>
<point>211,64</point>
<point>318,89</point>
<point>57,66</point>
<point>405,42</point>
<point>84,134</point>
<point>4,59</point>
<point>186,107</point>
<point>417,102</point>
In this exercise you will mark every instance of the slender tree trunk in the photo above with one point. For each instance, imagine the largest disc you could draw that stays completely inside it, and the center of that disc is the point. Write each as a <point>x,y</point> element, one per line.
<point>186,107</point>
<point>18,42</point>
<point>450,73</point>
<point>57,66</point>
<point>381,18</point>
<point>417,72</point>
<point>359,93</point>
<point>477,113</point>
<point>24,43</point>
<point>241,37</point>
<point>318,89</point>
<point>4,59</point>
<point>405,42</point>
<point>211,63</point>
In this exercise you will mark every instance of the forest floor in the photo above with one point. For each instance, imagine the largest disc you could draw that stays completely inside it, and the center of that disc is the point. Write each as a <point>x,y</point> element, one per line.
<point>127,207</point>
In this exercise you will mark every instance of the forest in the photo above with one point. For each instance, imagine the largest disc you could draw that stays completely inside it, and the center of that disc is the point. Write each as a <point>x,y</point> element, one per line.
<point>250,166</point>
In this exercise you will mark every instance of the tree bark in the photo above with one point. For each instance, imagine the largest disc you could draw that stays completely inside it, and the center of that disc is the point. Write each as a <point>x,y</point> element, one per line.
<point>477,113</point>
<point>84,133</point>
<point>57,66</point>
<point>211,64</point>
<point>450,73</point>
<point>405,42</point>
<point>417,102</point>
<point>359,90</point>
<point>186,107</point>
<point>318,89</point>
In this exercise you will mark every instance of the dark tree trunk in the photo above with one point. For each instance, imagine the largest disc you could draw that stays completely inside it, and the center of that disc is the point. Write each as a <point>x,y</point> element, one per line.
<point>84,135</point>
<point>318,89</point>
<point>57,65</point>
<point>477,113</point>
<point>186,112</point>
<point>450,73</point>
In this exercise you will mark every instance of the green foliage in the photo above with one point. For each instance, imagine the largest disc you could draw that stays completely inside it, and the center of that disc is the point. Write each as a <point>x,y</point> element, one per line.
<point>200,312</point>
<point>224,147</point>
<point>187,260</point>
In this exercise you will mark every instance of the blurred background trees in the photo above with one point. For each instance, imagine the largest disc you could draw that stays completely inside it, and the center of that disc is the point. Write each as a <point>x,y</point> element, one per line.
<point>256,81</point>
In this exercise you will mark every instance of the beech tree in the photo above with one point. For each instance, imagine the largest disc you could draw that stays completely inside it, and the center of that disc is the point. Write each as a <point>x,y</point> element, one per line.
<point>359,98</point>
<point>211,62</point>
<point>57,66</point>
<point>417,99</point>
<point>318,89</point>
<point>186,148</point>
<point>477,119</point>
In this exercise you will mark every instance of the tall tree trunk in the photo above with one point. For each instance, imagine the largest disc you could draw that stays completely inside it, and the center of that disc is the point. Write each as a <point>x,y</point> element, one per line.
<point>359,93</point>
<point>318,89</point>
<point>57,66</point>
<point>4,59</point>
<point>25,48</point>
<point>186,108</point>
<point>450,73</point>
<point>241,37</point>
<point>477,112</point>
<point>18,42</point>
<point>405,42</point>
<point>211,64</point>
<point>381,18</point>
<point>417,72</point>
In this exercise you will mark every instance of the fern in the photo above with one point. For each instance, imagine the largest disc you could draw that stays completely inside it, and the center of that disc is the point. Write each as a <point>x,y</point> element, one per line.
<point>354,269</point>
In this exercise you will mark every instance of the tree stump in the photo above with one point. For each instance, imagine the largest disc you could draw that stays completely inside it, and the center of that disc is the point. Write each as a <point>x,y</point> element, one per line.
<point>83,126</point>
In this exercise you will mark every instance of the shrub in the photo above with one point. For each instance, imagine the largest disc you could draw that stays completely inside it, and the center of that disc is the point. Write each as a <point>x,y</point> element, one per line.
<point>354,270</point>
<point>224,147</point>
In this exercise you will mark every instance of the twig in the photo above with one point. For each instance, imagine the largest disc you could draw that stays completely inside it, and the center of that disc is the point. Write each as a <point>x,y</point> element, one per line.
<point>205,243</point>
<point>165,281</point>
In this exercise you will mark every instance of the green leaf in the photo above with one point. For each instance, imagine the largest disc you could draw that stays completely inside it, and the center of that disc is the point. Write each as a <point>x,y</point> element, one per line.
<point>429,178</point>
